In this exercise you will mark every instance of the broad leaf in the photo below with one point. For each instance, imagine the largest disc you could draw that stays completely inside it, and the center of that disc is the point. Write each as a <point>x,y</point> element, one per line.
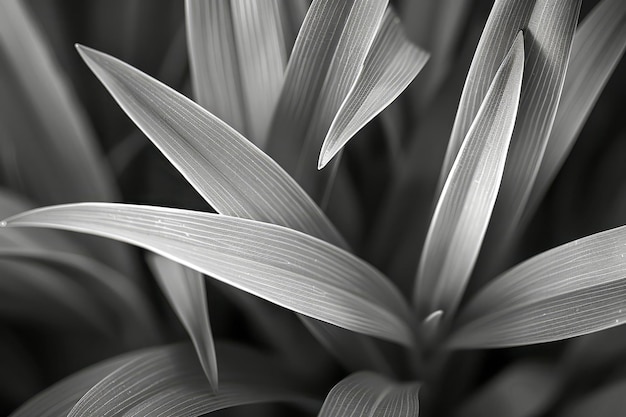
<point>369,394</point>
<point>237,55</point>
<point>234,176</point>
<point>169,381</point>
<point>283,266</point>
<point>326,61</point>
<point>572,290</point>
<point>392,63</point>
<point>469,194</point>
<point>186,291</point>
<point>599,43</point>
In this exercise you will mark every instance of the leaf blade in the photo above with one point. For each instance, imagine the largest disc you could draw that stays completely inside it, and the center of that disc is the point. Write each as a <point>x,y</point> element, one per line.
<point>369,394</point>
<point>286,267</point>
<point>572,290</point>
<point>391,64</point>
<point>185,289</point>
<point>464,208</point>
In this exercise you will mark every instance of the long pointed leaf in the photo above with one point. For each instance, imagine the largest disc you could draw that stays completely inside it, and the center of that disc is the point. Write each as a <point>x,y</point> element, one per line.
<point>549,28</point>
<point>326,61</point>
<point>228,171</point>
<point>235,177</point>
<point>572,290</point>
<point>286,267</point>
<point>369,394</point>
<point>186,292</point>
<point>238,57</point>
<point>599,43</point>
<point>392,63</point>
<point>169,381</point>
<point>469,194</point>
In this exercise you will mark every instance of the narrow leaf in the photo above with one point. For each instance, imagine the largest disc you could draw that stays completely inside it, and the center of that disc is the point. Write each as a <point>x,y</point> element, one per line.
<point>549,27</point>
<point>599,44</point>
<point>369,394</point>
<point>326,61</point>
<point>392,63</point>
<point>238,56</point>
<point>186,291</point>
<point>572,290</point>
<point>229,172</point>
<point>469,194</point>
<point>169,381</point>
<point>283,266</point>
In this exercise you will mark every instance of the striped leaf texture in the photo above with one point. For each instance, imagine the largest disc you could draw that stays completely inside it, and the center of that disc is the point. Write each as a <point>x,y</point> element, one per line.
<point>572,290</point>
<point>283,266</point>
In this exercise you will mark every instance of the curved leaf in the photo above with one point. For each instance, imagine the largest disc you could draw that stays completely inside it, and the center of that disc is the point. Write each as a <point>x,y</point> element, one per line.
<point>283,266</point>
<point>238,56</point>
<point>598,45</point>
<point>469,194</point>
<point>549,29</point>
<point>392,63</point>
<point>326,61</point>
<point>572,290</point>
<point>169,381</point>
<point>186,291</point>
<point>368,394</point>
<point>228,171</point>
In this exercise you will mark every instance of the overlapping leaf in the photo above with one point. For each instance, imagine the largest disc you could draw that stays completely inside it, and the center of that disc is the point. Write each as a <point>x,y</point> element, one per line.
<point>237,55</point>
<point>393,62</point>
<point>326,61</point>
<point>169,381</point>
<point>286,267</point>
<point>549,26</point>
<point>469,194</point>
<point>186,291</point>
<point>369,394</point>
<point>574,289</point>
<point>598,45</point>
<point>233,175</point>
<point>40,119</point>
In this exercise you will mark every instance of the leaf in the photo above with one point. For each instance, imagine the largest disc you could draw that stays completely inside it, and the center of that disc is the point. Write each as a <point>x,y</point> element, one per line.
<point>599,44</point>
<point>524,389</point>
<point>40,120</point>
<point>606,401</point>
<point>169,381</point>
<point>58,400</point>
<point>35,87</point>
<point>283,266</point>
<point>234,176</point>
<point>238,56</point>
<point>368,394</point>
<point>572,290</point>
<point>229,172</point>
<point>392,63</point>
<point>469,194</point>
<point>326,61</point>
<point>186,291</point>
<point>549,28</point>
